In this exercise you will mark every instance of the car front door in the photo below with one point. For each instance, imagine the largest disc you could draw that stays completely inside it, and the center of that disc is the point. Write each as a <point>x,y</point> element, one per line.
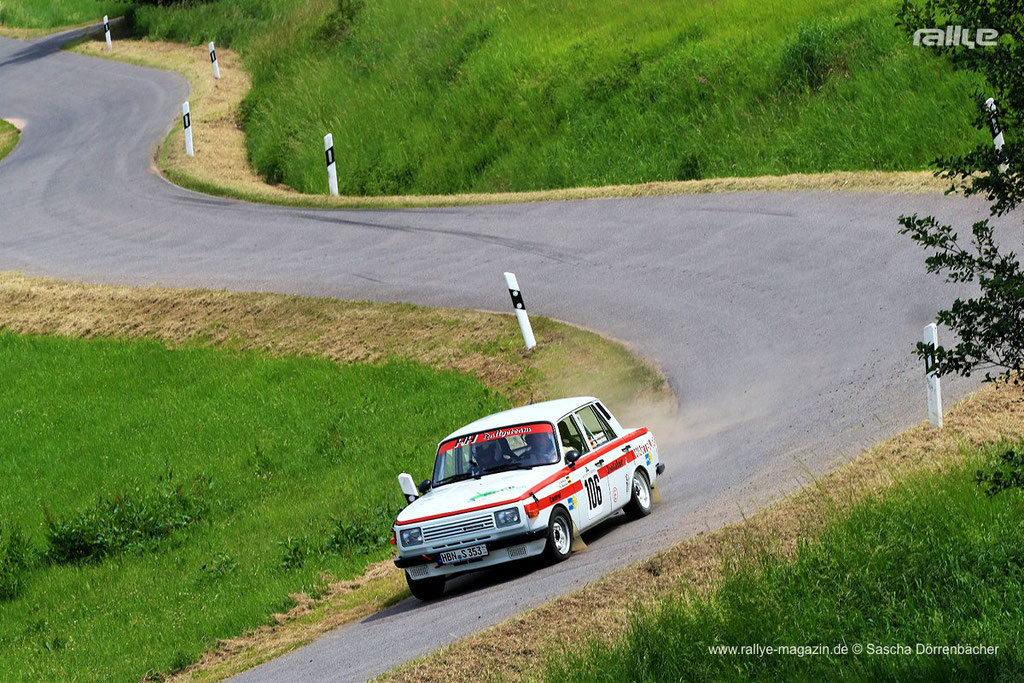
<point>610,466</point>
<point>593,499</point>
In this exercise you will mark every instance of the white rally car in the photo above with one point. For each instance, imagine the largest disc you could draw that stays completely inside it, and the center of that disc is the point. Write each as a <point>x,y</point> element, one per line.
<point>521,483</point>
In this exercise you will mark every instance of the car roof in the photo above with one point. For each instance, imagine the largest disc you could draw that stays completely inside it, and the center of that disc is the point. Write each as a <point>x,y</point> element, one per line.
<point>546,411</point>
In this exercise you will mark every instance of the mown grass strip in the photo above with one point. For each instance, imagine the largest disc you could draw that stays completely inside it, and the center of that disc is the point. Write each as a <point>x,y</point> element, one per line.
<point>487,346</point>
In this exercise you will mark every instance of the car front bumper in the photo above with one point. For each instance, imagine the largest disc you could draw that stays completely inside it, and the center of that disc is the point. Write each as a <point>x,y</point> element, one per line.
<point>507,549</point>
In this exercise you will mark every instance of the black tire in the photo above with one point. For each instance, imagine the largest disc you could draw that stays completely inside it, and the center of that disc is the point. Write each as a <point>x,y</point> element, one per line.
<point>426,589</point>
<point>559,545</point>
<point>639,504</point>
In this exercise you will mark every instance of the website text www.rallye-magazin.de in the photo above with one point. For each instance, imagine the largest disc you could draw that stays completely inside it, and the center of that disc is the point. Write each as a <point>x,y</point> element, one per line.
<point>899,649</point>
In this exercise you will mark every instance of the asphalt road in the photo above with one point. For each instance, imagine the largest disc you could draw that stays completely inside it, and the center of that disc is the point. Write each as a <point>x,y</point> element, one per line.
<point>784,321</point>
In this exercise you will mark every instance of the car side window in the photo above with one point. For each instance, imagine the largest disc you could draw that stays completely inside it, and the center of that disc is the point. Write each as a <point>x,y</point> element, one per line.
<point>570,436</point>
<point>599,432</point>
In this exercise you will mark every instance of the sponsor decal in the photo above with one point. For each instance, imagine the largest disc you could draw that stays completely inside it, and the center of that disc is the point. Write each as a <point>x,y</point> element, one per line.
<point>504,432</point>
<point>572,502</point>
<point>615,494</point>
<point>484,494</point>
<point>645,450</point>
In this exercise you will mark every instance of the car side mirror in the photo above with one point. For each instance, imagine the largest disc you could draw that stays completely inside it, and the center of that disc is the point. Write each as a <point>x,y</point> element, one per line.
<point>571,457</point>
<point>425,486</point>
<point>408,487</point>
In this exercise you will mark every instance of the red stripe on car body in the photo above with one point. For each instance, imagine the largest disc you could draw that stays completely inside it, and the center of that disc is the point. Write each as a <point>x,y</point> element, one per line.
<point>593,455</point>
<point>616,464</point>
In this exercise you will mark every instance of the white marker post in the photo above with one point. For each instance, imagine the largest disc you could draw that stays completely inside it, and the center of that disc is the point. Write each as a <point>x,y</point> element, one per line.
<point>213,60</point>
<point>931,338</point>
<point>517,303</point>
<point>997,133</point>
<point>106,32</point>
<point>186,121</point>
<point>332,171</point>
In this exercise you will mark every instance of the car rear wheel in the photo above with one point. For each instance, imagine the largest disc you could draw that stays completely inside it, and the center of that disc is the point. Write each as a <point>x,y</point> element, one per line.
<point>639,504</point>
<point>559,544</point>
<point>426,589</point>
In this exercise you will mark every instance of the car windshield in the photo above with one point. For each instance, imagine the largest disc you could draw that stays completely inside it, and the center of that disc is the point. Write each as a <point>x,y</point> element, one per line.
<point>508,448</point>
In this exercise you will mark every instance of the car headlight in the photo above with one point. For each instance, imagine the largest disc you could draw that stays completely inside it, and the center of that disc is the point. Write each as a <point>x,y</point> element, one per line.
<point>411,537</point>
<point>509,517</point>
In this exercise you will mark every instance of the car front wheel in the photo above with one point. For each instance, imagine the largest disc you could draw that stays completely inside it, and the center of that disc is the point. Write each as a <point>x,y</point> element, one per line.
<point>426,589</point>
<point>639,504</point>
<point>559,536</point>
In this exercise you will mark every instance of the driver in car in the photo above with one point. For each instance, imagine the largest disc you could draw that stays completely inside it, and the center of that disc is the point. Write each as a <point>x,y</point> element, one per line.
<point>489,455</point>
<point>540,449</point>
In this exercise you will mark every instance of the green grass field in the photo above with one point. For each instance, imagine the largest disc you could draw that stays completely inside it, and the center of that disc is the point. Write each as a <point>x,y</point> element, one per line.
<point>934,561</point>
<point>167,498</point>
<point>8,138</point>
<point>51,13</point>
<point>439,96</point>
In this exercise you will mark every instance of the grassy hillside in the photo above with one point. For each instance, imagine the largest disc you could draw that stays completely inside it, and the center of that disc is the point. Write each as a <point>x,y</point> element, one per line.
<point>438,96</point>
<point>169,498</point>
<point>934,561</point>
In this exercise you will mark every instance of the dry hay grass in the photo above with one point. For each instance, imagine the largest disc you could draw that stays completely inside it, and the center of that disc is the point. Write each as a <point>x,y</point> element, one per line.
<point>517,649</point>
<point>484,345</point>
<point>343,331</point>
<point>214,104</point>
<point>221,166</point>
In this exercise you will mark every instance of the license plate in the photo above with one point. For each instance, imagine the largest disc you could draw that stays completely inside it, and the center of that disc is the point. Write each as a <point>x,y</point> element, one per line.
<point>463,554</point>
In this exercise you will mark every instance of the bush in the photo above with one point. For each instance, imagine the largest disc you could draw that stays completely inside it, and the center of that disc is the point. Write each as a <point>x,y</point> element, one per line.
<point>688,168</point>
<point>1007,473</point>
<point>293,554</point>
<point>811,57</point>
<point>363,532</point>
<point>338,23</point>
<point>15,559</point>
<point>220,566</point>
<point>135,520</point>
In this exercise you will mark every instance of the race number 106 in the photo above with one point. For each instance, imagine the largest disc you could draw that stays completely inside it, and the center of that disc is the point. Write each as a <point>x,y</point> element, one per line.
<point>594,497</point>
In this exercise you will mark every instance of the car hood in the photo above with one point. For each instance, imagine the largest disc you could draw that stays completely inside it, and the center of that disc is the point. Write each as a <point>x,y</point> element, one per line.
<point>472,493</point>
